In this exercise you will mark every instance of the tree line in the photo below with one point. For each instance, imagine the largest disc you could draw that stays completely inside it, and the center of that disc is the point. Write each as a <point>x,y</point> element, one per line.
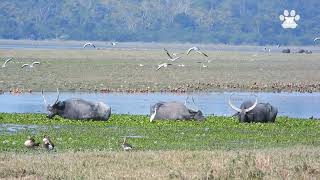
<point>198,21</point>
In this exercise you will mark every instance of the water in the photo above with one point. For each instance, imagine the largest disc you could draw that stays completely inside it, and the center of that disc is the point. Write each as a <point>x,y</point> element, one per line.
<point>300,105</point>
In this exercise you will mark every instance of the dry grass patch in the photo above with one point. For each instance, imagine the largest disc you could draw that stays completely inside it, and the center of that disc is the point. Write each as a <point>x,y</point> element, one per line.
<point>119,69</point>
<point>288,163</point>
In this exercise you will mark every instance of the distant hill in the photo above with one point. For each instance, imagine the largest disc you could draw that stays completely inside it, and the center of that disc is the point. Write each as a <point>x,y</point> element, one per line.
<point>202,21</point>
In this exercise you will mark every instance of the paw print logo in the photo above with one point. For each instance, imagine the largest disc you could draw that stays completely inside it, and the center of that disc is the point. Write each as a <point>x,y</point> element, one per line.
<point>289,20</point>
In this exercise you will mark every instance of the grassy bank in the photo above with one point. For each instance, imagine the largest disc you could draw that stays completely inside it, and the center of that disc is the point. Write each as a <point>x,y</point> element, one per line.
<point>119,70</point>
<point>278,163</point>
<point>219,147</point>
<point>215,133</point>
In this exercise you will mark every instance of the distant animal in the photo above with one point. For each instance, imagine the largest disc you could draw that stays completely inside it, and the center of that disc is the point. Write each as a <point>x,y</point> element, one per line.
<point>267,49</point>
<point>301,51</point>
<point>78,109</point>
<point>5,63</point>
<point>196,49</point>
<point>47,143</point>
<point>202,64</point>
<point>89,44</point>
<point>163,65</point>
<point>286,51</point>
<point>173,111</point>
<point>255,112</point>
<point>126,146</point>
<point>141,65</point>
<point>31,143</point>
<point>316,39</point>
<point>113,43</point>
<point>30,65</point>
<point>308,52</point>
<point>181,65</point>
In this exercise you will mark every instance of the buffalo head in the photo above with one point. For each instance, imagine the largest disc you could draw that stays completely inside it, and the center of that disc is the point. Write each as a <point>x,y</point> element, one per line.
<point>242,112</point>
<point>53,109</point>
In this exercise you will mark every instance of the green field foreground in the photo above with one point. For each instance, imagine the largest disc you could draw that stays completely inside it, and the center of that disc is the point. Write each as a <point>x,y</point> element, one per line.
<point>215,133</point>
<point>219,147</point>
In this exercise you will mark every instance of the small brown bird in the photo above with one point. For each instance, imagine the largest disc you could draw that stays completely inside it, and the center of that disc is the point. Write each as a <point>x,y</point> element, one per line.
<point>125,145</point>
<point>31,143</point>
<point>47,143</point>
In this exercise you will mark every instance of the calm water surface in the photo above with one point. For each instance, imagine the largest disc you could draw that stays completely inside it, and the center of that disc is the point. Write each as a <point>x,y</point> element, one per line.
<point>301,105</point>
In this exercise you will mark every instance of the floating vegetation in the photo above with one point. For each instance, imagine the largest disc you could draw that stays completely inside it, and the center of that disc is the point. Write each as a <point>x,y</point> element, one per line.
<point>214,133</point>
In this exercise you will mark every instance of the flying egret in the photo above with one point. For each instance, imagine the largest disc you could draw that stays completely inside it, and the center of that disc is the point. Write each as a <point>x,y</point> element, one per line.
<point>163,65</point>
<point>30,65</point>
<point>196,49</point>
<point>88,44</point>
<point>113,43</point>
<point>5,63</point>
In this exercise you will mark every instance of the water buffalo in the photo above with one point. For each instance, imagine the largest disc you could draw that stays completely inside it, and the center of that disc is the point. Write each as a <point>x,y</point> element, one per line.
<point>173,111</point>
<point>300,51</point>
<point>255,112</point>
<point>286,51</point>
<point>78,109</point>
<point>308,52</point>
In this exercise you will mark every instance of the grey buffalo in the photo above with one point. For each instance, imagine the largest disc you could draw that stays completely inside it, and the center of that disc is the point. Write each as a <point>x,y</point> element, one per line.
<point>255,112</point>
<point>78,109</point>
<point>300,51</point>
<point>173,111</point>
<point>286,51</point>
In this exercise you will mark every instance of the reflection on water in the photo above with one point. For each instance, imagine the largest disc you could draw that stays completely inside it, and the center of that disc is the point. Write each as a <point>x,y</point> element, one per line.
<point>301,105</point>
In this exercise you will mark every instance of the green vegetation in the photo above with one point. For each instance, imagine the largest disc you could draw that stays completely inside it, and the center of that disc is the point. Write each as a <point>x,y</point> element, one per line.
<point>214,21</point>
<point>214,133</point>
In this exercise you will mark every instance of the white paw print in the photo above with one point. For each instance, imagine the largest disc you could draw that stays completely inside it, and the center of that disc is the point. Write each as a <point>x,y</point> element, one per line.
<point>289,21</point>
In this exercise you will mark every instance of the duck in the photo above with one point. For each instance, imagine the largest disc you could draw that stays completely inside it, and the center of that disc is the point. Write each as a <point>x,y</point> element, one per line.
<point>31,143</point>
<point>126,146</point>
<point>47,143</point>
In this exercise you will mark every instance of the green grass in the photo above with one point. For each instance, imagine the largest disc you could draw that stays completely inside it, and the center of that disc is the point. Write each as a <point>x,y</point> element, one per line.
<point>215,133</point>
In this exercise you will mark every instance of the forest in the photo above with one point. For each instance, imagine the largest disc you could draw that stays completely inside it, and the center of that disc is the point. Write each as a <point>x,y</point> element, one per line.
<point>197,21</point>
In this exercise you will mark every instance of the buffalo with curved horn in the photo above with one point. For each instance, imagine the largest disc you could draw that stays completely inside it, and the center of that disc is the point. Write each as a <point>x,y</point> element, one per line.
<point>173,111</point>
<point>286,50</point>
<point>255,112</point>
<point>78,109</point>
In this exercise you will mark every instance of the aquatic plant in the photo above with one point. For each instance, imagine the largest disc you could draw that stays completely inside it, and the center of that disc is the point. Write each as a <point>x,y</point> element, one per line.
<point>214,133</point>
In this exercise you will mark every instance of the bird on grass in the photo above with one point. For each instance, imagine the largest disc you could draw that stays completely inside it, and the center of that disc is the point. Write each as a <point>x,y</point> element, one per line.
<point>163,65</point>
<point>31,143</point>
<point>196,49</point>
<point>47,143</point>
<point>153,115</point>
<point>30,65</point>
<point>202,64</point>
<point>126,146</point>
<point>5,63</point>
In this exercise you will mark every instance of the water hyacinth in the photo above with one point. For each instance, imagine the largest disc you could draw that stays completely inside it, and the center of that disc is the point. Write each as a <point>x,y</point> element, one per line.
<point>214,133</point>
